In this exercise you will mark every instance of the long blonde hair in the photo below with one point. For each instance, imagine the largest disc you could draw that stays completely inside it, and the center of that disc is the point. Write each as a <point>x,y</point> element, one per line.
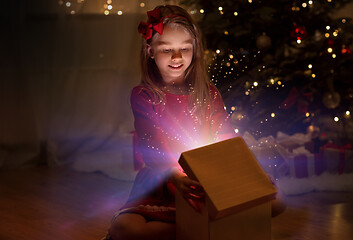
<point>196,76</point>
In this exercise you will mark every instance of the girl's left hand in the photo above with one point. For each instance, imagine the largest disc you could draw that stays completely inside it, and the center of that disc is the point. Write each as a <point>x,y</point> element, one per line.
<point>190,189</point>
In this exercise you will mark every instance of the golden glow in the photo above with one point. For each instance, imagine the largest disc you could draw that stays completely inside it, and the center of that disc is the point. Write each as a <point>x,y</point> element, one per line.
<point>327,35</point>
<point>307,114</point>
<point>304,5</point>
<point>235,13</point>
<point>348,113</point>
<point>220,8</point>
<point>310,66</point>
<point>273,115</point>
<point>120,12</point>
<point>231,56</point>
<point>336,119</point>
<point>299,41</point>
<point>218,51</point>
<point>110,7</point>
<point>106,12</point>
<point>329,50</point>
<point>142,4</point>
<point>328,27</point>
<point>334,56</point>
<point>226,32</point>
<point>313,75</point>
<point>202,11</point>
<point>256,84</point>
<point>272,80</point>
<point>279,83</point>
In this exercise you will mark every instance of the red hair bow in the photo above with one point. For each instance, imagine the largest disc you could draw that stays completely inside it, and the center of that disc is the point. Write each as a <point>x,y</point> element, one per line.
<point>155,22</point>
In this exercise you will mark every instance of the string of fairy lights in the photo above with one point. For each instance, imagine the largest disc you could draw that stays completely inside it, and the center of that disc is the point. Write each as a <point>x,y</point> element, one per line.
<point>109,7</point>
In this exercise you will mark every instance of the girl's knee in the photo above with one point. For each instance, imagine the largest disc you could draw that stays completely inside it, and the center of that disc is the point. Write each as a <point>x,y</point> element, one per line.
<point>125,228</point>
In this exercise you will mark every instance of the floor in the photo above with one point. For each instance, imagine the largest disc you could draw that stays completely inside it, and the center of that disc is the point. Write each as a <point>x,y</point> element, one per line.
<point>59,203</point>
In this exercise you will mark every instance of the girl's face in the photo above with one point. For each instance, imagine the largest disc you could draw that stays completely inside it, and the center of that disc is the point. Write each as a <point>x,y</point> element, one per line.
<point>172,52</point>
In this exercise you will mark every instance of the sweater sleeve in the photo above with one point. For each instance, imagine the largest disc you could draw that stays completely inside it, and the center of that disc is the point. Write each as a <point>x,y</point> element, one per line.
<point>221,127</point>
<point>152,141</point>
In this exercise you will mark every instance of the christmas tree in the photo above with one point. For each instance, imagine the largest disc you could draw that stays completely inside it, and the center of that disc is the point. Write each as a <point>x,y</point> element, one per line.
<point>280,65</point>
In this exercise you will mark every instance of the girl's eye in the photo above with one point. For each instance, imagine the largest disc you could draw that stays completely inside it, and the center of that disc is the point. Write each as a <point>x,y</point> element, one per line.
<point>185,49</point>
<point>166,50</point>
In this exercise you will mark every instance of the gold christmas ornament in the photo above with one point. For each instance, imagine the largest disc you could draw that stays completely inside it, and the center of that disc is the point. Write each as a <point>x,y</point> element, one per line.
<point>331,99</point>
<point>263,42</point>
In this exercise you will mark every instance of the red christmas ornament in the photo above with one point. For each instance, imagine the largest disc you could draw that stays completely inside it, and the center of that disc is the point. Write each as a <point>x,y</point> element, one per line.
<point>299,32</point>
<point>346,50</point>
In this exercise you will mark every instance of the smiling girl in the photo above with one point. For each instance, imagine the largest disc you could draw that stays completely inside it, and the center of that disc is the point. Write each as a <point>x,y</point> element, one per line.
<point>175,109</point>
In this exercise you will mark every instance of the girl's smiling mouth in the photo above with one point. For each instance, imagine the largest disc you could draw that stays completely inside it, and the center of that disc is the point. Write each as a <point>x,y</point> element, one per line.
<point>176,66</point>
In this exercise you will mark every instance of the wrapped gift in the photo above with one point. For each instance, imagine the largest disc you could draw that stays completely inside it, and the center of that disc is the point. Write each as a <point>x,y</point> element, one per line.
<point>303,164</point>
<point>338,159</point>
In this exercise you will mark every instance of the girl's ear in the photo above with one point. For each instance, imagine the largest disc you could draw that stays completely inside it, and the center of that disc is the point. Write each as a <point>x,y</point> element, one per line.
<point>150,51</point>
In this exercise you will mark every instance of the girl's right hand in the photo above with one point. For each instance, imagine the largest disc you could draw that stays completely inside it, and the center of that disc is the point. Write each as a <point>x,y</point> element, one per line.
<point>190,189</point>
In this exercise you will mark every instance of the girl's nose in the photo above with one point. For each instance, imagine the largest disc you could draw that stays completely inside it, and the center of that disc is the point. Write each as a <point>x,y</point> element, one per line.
<point>176,55</point>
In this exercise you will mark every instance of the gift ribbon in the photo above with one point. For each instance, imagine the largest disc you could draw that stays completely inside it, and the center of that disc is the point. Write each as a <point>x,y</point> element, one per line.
<point>342,154</point>
<point>295,96</point>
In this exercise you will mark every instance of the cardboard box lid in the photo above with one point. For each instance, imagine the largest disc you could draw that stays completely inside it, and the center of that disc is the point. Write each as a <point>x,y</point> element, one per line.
<point>230,175</point>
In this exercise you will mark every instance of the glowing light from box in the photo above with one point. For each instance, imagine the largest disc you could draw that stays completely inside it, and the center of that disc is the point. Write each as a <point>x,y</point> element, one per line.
<point>348,113</point>
<point>336,119</point>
